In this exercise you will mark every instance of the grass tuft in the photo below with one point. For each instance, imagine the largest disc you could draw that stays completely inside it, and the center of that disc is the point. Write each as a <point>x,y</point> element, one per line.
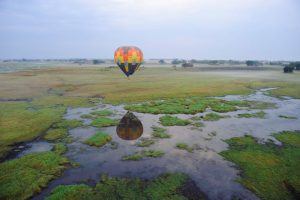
<point>145,142</point>
<point>160,132</point>
<point>260,114</point>
<point>60,148</point>
<point>166,186</point>
<point>104,122</point>
<point>287,117</point>
<point>270,171</point>
<point>23,177</point>
<point>102,113</point>
<point>55,134</point>
<point>169,120</point>
<point>184,146</point>
<point>99,139</point>
<point>213,117</point>
<point>142,154</point>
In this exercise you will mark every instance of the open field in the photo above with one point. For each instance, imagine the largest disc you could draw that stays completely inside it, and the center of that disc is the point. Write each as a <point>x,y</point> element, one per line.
<point>35,105</point>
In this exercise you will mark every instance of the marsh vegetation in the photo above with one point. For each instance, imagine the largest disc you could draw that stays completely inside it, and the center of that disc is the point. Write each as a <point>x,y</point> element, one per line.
<point>80,106</point>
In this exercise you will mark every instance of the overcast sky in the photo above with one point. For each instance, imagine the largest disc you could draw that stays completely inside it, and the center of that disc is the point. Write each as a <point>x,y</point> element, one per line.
<point>201,29</point>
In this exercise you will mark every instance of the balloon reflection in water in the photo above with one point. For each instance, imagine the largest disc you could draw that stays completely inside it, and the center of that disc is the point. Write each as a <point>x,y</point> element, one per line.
<point>129,127</point>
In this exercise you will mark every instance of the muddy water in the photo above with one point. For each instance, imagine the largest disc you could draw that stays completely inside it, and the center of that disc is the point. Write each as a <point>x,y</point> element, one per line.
<point>214,175</point>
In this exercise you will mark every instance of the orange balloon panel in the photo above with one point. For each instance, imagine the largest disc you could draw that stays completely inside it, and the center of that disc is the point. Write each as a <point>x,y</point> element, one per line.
<point>128,54</point>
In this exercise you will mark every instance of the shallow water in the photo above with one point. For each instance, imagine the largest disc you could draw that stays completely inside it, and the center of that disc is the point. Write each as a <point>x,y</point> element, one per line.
<point>214,175</point>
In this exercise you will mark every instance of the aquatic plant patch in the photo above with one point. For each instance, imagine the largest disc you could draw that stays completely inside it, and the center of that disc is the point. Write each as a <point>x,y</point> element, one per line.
<point>99,139</point>
<point>104,122</point>
<point>184,146</point>
<point>287,117</point>
<point>23,177</point>
<point>160,132</point>
<point>145,142</point>
<point>260,114</point>
<point>169,120</point>
<point>214,117</point>
<point>142,154</point>
<point>55,134</point>
<point>102,113</point>
<point>166,186</point>
<point>269,170</point>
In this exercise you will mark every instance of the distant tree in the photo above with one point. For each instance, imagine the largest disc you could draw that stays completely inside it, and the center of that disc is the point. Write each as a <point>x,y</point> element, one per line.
<point>187,64</point>
<point>296,65</point>
<point>161,61</point>
<point>288,69</point>
<point>176,62</point>
<point>252,63</point>
<point>96,61</point>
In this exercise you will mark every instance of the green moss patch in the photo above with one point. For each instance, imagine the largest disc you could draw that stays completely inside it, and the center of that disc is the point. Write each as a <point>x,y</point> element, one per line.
<point>260,114</point>
<point>68,124</point>
<point>55,134</point>
<point>23,177</point>
<point>145,142</point>
<point>271,171</point>
<point>169,120</point>
<point>287,117</point>
<point>160,132</point>
<point>60,148</point>
<point>104,122</point>
<point>102,113</point>
<point>194,105</point>
<point>98,139</point>
<point>87,116</point>
<point>213,117</point>
<point>140,155</point>
<point>184,146</point>
<point>71,192</point>
<point>167,186</point>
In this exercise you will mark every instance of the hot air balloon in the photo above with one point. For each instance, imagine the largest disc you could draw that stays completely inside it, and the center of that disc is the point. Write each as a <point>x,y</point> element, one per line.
<point>128,58</point>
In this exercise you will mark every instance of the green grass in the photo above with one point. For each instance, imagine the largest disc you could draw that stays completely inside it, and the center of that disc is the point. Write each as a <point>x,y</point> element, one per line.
<point>104,122</point>
<point>142,154</point>
<point>287,117</point>
<point>160,132</point>
<point>74,86</point>
<point>23,177</point>
<point>71,192</point>
<point>168,120</point>
<point>198,124</point>
<point>68,124</point>
<point>87,116</point>
<point>184,146</point>
<point>166,186</point>
<point>191,105</point>
<point>98,139</point>
<point>55,134</point>
<point>213,117</point>
<point>153,153</point>
<point>145,142</point>
<point>270,171</point>
<point>260,114</point>
<point>135,157</point>
<point>102,113</point>
<point>261,105</point>
<point>19,123</point>
<point>60,148</point>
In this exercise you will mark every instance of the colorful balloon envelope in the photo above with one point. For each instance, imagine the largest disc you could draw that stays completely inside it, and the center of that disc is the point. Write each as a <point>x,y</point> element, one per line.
<point>129,59</point>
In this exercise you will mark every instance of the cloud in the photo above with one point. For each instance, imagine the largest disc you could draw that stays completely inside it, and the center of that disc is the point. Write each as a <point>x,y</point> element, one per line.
<point>181,28</point>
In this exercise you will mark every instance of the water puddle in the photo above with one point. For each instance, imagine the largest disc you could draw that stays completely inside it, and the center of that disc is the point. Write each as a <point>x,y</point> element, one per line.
<point>215,176</point>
